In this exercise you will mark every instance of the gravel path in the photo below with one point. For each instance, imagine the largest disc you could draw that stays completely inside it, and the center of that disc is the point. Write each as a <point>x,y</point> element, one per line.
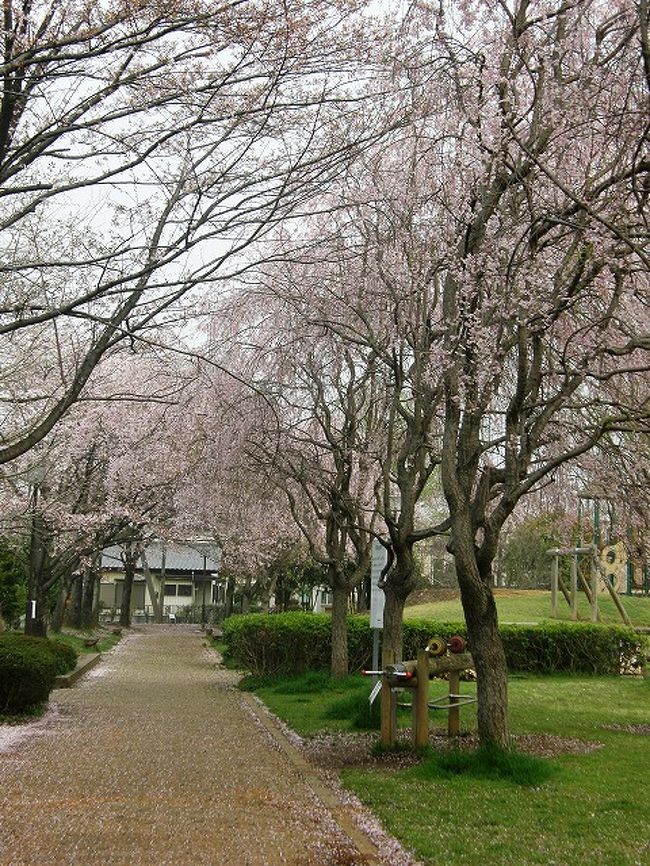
<point>156,758</point>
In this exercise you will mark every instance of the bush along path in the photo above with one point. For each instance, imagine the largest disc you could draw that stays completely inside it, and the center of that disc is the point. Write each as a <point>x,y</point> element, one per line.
<point>155,757</point>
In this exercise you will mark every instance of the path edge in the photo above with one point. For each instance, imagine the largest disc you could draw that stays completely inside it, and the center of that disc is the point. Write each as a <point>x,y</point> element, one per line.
<point>84,663</point>
<point>319,786</point>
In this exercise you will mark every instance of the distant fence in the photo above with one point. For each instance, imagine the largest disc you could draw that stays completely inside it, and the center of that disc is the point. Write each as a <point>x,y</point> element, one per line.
<point>192,613</point>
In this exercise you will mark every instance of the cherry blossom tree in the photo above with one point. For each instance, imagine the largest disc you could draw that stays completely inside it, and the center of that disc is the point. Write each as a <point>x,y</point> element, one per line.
<point>222,495</point>
<point>317,457</point>
<point>360,292</point>
<point>296,429</point>
<point>547,289</point>
<point>143,148</point>
<point>108,474</point>
<point>521,263</point>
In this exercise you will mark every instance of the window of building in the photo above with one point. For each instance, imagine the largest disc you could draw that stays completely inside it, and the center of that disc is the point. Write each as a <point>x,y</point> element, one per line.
<point>170,589</point>
<point>185,589</point>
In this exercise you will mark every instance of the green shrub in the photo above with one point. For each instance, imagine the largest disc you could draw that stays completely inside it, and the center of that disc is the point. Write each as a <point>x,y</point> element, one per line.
<point>292,643</point>
<point>27,672</point>
<point>64,655</point>
<point>571,646</point>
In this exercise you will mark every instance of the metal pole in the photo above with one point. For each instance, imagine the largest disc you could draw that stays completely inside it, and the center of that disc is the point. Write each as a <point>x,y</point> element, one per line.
<point>375,650</point>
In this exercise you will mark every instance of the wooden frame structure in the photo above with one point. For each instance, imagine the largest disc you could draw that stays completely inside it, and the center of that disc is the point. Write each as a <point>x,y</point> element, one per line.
<point>590,587</point>
<point>415,675</point>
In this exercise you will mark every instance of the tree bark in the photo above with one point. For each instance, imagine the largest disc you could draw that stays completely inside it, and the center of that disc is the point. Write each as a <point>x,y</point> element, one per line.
<point>39,560</point>
<point>484,642</point>
<point>56,621</point>
<point>339,659</point>
<point>398,585</point>
<point>73,618</point>
<point>90,582</point>
<point>129,558</point>
<point>363,598</point>
<point>393,620</point>
<point>246,595</point>
<point>230,595</point>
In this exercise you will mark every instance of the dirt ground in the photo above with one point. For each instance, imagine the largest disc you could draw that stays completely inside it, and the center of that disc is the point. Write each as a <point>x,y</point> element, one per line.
<point>155,757</point>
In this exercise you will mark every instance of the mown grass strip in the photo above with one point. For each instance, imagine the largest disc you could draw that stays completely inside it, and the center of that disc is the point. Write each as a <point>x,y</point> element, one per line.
<point>577,796</point>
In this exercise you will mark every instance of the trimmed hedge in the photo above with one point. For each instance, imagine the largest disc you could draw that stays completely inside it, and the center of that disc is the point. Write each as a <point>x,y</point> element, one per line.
<point>292,643</point>
<point>65,656</point>
<point>27,674</point>
<point>28,668</point>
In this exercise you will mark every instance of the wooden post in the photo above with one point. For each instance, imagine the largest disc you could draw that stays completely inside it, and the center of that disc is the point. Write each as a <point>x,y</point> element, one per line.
<point>574,586</point>
<point>453,724</point>
<point>421,702</point>
<point>554,584</point>
<point>611,590</point>
<point>388,707</point>
<point>594,588</point>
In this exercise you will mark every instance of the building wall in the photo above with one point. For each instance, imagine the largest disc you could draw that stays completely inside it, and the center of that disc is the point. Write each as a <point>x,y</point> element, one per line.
<point>184,592</point>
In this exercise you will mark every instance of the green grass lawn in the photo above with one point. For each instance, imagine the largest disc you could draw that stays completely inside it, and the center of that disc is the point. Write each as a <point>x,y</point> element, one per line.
<point>107,642</point>
<point>308,703</point>
<point>592,810</point>
<point>534,606</point>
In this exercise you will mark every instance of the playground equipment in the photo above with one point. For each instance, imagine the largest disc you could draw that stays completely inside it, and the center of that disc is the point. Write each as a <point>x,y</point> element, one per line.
<point>622,555</point>
<point>611,569</point>
<point>597,570</point>
<point>637,577</point>
<point>439,658</point>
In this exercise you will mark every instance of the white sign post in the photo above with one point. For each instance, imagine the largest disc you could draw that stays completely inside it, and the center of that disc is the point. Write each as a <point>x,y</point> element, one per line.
<point>377,597</point>
<point>377,600</point>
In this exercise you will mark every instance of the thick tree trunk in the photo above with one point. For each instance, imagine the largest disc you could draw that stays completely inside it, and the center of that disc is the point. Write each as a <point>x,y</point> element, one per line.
<point>73,614</point>
<point>246,595</point>
<point>125,606</point>
<point>363,602</point>
<point>339,658</point>
<point>230,595</point>
<point>58,614</point>
<point>88,608</point>
<point>393,619</point>
<point>397,588</point>
<point>491,670</point>
<point>36,607</point>
<point>130,559</point>
<point>36,619</point>
<point>56,620</point>
<point>484,643</point>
